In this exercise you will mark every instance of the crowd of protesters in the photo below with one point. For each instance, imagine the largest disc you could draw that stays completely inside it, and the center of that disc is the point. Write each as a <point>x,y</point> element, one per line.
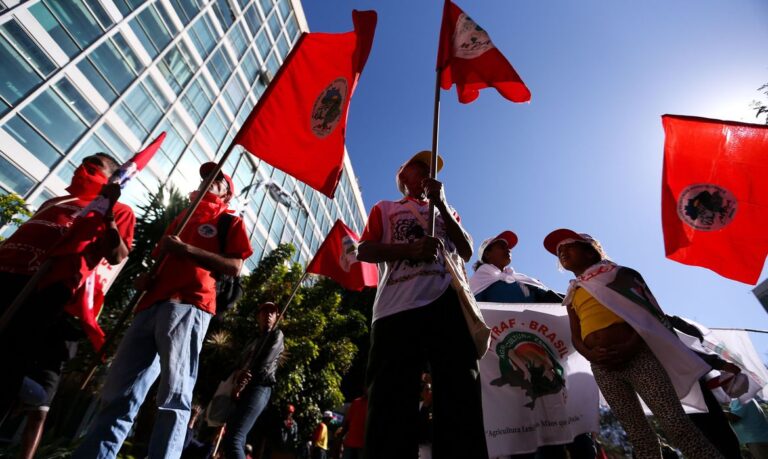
<point>423,396</point>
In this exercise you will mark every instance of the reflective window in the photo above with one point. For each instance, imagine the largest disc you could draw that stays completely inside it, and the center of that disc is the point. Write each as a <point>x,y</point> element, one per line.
<point>234,94</point>
<point>238,39</point>
<point>204,35</point>
<point>91,146</point>
<point>13,179</point>
<point>126,6</point>
<point>97,80</point>
<point>17,78</point>
<point>282,46</point>
<point>272,65</point>
<point>215,128</point>
<point>53,117</point>
<point>76,101</point>
<point>177,67</point>
<point>245,110</point>
<point>101,14</point>
<point>242,3</point>
<point>151,30</point>
<point>32,141</point>
<point>28,47</point>
<point>252,18</point>
<point>220,66</point>
<point>157,95</point>
<point>197,100</point>
<point>112,65</point>
<point>285,8</point>
<point>65,171</point>
<point>274,26</point>
<point>116,145</point>
<point>187,9</point>
<point>266,6</point>
<point>54,28</point>
<point>292,27</point>
<point>250,66</point>
<point>224,13</point>
<point>77,20</point>
<point>127,53</point>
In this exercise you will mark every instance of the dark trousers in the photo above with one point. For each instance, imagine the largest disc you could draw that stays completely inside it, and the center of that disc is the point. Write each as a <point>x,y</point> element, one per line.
<point>401,346</point>
<point>249,407</point>
<point>24,338</point>
<point>715,426</point>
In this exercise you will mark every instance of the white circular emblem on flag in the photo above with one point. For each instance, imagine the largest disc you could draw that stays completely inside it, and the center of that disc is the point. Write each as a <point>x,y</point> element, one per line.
<point>706,207</point>
<point>348,253</point>
<point>326,113</point>
<point>207,230</point>
<point>469,39</point>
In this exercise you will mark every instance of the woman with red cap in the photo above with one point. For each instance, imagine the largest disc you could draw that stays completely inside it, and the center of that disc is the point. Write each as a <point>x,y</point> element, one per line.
<point>619,327</point>
<point>496,282</point>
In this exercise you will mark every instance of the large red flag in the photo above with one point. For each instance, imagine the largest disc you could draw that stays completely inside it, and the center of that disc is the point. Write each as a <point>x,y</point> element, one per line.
<point>298,125</point>
<point>337,259</point>
<point>468,58</point>
<point>714,195</point>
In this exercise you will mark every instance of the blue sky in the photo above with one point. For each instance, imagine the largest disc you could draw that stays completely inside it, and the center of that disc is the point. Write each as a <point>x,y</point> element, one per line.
<point>586,153</point>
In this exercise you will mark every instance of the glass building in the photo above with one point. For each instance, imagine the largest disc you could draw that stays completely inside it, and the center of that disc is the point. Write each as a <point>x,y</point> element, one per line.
<point>82,76</point>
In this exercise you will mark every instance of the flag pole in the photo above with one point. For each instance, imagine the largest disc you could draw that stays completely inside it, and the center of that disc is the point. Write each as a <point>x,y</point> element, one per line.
<point>751,330</point>
<point>433,158</point>
<point>205,185</point>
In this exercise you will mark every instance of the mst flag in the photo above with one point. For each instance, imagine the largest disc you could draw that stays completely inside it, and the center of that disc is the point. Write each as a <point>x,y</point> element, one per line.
<point>468,58</point>
<point>714,195</point>
<point>337,259</point>
<point>298,125</point>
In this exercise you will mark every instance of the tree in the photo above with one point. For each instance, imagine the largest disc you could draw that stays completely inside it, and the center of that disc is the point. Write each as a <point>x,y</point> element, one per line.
<point>320,334</point>
<point>12,209</point>
<point>761,107</point>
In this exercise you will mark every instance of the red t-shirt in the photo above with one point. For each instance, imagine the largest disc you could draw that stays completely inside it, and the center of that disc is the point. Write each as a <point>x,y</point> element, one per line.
<point>355,420</point>
<point>26,249</point>
<point>181,280</point>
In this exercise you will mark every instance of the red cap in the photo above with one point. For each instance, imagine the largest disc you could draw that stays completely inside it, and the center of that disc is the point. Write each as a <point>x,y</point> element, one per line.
<point>507,236</point>
<point>557,236</point>
<point>207,168</point>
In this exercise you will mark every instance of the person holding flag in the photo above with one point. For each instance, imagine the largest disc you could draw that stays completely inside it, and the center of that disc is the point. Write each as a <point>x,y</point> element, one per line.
<point>418,321</point>
<point>171,321</point>
<point>619,327</point>
<point>41,334</point>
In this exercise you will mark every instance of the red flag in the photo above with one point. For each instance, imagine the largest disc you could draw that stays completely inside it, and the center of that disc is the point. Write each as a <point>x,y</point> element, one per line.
<point>337,259</point>
<point>298,125</point>
<point>714,195</point>
<point>468,58</point>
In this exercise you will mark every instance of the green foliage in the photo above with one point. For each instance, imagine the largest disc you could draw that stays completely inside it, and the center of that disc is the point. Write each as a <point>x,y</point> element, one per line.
<point>320,334</point>
<point>12,209</point>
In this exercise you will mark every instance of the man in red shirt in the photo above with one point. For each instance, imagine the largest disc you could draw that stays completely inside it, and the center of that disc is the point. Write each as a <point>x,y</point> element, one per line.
<point>353,428</point>
<point>41,336</point>
<point>167,332</point>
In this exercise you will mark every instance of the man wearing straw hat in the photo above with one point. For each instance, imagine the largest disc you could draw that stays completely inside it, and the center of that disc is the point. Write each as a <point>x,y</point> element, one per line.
<point>418,322</point>
<point>167,332</point>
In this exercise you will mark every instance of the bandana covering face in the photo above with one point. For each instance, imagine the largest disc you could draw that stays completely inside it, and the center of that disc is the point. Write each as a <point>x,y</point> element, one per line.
<point>210,207</point>
<point>87,182</point>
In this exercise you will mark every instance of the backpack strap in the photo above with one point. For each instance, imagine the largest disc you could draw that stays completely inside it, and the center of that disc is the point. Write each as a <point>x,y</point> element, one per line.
<point>222,230</point>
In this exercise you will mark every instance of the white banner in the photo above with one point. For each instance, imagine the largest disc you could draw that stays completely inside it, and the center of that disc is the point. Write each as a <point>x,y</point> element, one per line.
<point>537,390</point>
<point>735,346</point>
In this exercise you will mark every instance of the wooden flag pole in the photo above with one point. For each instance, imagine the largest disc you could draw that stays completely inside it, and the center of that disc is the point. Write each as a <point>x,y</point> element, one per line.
<point>433,158</point>
<point>205,185</point>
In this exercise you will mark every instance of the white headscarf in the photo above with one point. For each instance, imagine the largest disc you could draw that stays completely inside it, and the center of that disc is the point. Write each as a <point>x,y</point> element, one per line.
<point>488,274</point>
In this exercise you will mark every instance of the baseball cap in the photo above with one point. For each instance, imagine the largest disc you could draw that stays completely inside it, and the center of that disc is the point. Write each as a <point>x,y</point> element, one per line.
<point>507,236</point>
<point>558,236</point>
<point>207,168</point>
<point>425,157</point>
<point>267,304</point>
<point>327,414</point>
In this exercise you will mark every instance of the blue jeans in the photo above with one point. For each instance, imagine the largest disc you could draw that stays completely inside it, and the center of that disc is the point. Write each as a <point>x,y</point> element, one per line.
<point>165,341</point>
<point>249,407</point>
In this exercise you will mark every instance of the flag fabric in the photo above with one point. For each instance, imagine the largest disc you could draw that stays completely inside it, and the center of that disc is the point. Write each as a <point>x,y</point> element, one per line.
<point>714,195</point>
<point>468,58</point>
<point>299,124</point>
<point>536,388</point>
<point>337,259</point>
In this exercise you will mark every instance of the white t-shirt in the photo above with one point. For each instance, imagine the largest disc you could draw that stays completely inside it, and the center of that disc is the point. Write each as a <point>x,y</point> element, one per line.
<point>406,284</point>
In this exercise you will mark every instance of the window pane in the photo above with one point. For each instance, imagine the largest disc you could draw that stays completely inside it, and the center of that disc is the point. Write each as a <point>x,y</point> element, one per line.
<point>274,25</point>
<point>235,93</point>
<point>272,65</point>
<point>76,18</point>
<point>262,42</point>
<point>29,49</point>
<point>13,178</point>
<point>51,116</point>
<point>293,28</point>
<point>74,99</point>
<point>17,79</point>
<point>250,66</point>
<point>154,27</point>
<point>204,35</point>
<point>117,147</point>
<point>54,28</point>
<point>142,105</point>
<point>97,80</point>
<point>128,54</point>
<point>126,6</point>
<point>285,8</point>
<point>220,66</point>
<point>158,95</point>
<point>34,142</point>
<point>89,147</point>
<point>111,64</point>
<point>237,37</point>
<point>187,9</point>
<point>100,12</point>
<point>177,62</point>
<point>252,19</point>
<point>224,13</point>
<point>131,121</point>
<point>266,6</point>
<point>282,46</point>
<point>197,100</point>
<point>242,3</point>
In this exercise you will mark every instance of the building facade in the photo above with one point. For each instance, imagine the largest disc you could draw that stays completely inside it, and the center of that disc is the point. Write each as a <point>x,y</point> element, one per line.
<point>82,76</point>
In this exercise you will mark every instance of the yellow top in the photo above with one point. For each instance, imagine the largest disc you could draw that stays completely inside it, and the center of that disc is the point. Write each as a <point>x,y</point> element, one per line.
<point>593,316</point>
<point>321,436</point>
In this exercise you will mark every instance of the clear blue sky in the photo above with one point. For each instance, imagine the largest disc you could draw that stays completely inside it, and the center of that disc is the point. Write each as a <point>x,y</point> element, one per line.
<point>586,153</point>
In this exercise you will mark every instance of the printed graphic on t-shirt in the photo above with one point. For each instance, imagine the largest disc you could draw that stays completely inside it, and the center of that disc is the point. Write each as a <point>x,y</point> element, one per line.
<point>207,230</point>
<point>406,229</point>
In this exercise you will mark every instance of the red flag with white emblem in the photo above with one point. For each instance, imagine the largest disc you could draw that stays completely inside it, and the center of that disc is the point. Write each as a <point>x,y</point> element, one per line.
<point>299,124</point>
<point>714,195</point>
<point>337,259</point>
<point>468,58</point>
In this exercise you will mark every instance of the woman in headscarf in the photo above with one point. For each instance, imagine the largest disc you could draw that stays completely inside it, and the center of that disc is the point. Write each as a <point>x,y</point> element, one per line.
<point>496,282</point>
<point>619,327</point>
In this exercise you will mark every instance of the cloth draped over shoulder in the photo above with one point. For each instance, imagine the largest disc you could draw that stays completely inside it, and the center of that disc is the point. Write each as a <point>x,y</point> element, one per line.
<point>623,291</point>
<point>488,274</point>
